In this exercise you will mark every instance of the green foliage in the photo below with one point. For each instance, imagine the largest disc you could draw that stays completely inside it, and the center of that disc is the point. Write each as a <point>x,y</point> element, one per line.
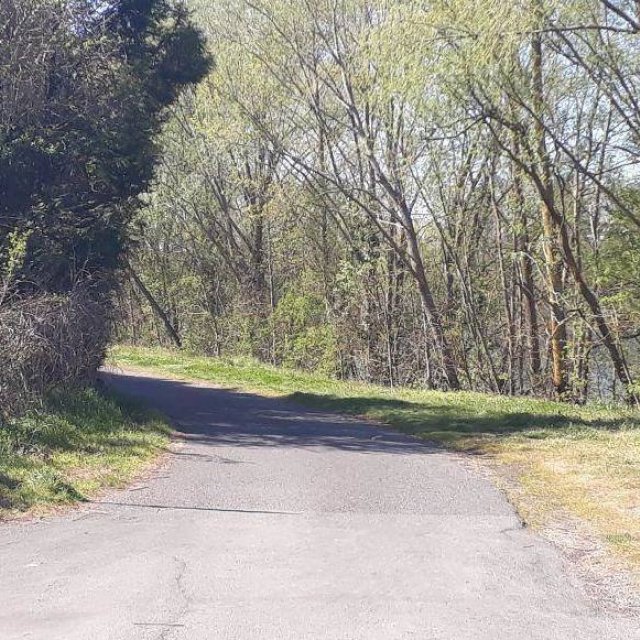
<point>11,262</point>
<point>77,136</point>
<point>619,268</point>
<point>304,340</point>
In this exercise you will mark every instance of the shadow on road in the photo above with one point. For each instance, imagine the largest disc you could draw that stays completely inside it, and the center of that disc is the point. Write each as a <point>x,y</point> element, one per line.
<point>229,417</point>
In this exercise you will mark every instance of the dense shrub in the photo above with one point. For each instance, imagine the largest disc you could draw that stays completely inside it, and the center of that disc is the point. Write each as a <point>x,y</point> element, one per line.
<point>47,342</point>
<point>82,94</point>
<point>84,89</point>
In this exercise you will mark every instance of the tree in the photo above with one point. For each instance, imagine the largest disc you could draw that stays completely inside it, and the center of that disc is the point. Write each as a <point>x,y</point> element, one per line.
<point>445,178</point>
<point>83,93</point>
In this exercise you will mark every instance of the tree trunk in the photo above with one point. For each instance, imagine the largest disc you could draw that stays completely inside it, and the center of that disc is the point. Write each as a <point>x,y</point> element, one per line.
<point>553,259</point>
<point>435,319</point>
<point>523,249</point>
<point>157,309</point>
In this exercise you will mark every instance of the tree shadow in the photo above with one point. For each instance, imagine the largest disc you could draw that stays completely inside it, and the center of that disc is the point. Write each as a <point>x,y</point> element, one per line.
<point>421,418</point>
<point>228,417</point>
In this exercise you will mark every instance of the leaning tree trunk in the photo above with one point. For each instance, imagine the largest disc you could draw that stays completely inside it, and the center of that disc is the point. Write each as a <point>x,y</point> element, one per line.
<point>157,309</point>
<point>435,319</point>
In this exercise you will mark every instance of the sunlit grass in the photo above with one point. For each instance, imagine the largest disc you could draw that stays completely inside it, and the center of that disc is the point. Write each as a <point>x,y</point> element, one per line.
<point>76,445</point>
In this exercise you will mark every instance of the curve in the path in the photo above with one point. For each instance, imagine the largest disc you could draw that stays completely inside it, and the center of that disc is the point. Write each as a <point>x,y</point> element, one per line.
<point>270,520</point>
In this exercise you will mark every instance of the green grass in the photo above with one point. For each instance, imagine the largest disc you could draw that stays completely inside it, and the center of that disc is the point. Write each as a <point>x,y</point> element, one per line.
<point>76,445</point>
<point>580,461</point>
<point>457,419</point>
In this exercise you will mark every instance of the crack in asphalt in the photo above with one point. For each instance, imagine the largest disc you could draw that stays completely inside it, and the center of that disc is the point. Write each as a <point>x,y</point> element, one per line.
<point>394,540</point>
<point>162,507</point>
<point>181,566</point>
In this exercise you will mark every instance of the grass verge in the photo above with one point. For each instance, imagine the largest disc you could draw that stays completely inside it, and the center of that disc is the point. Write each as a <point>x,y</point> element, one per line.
<point>76,445</point>
<point>566,460</point>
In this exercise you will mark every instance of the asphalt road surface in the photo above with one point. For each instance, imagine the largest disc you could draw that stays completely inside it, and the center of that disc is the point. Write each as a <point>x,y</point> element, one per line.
<point>272,521</point>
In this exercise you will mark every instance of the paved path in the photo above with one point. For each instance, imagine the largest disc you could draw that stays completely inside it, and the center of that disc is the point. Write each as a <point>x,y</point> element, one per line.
<point>276,522</point>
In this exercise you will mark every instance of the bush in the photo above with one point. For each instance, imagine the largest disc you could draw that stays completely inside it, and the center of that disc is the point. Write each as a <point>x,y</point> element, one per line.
<point>304,340</point>
<point>48,342</point>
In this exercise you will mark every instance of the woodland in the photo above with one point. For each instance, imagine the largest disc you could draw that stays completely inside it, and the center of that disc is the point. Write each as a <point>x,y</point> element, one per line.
<point>438,194</point>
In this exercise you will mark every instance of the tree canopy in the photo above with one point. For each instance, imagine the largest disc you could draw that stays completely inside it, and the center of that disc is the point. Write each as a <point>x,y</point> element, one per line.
<point>84,88</point>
